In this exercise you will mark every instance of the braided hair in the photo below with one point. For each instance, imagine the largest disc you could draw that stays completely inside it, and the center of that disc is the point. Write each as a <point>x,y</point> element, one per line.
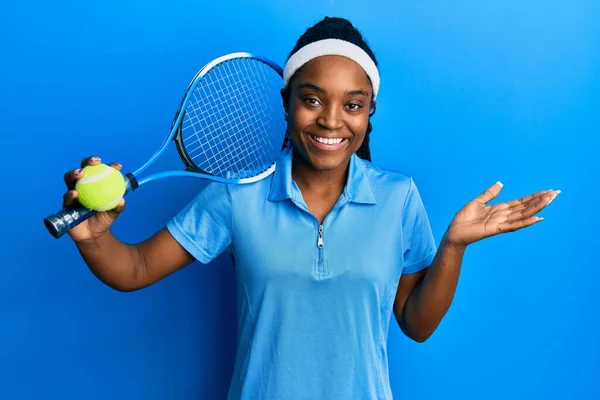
<point>335,28</point>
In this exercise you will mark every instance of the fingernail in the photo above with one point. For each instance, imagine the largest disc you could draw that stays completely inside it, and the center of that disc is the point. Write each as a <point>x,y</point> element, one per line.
<point>540,219</point>
<point>553,197</point>
<point>78,171</point>
<point>500,183</point>
<point>95,158</point>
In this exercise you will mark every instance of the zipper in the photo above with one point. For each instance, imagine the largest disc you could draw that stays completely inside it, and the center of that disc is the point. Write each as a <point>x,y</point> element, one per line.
<point>320,245</point>
<point>320,242</point>
<point>320,239</point>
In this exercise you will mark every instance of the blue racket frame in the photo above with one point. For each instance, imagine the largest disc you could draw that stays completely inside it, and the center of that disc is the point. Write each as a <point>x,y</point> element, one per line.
<point>61,222</point>
<point>177,128</point>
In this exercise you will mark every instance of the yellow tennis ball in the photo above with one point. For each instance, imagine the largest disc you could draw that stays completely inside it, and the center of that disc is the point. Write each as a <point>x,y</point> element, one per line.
<point>101,188</point>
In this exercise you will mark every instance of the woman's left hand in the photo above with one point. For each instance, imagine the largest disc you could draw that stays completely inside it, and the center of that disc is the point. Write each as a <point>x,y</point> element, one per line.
<point>477,220</point>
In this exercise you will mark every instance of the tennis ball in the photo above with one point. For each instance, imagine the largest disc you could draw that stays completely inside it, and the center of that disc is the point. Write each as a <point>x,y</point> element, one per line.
<point>101,188</point>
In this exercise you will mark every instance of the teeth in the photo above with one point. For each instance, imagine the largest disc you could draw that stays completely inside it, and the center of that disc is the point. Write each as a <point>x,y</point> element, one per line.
<point>327,141</point>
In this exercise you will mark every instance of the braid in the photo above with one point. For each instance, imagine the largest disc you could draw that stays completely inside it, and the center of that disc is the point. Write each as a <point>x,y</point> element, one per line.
<point>335,28</point>
<point>364,151</point>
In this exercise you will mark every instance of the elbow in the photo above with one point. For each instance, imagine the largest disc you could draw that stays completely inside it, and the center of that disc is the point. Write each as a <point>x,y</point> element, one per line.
<point>420,337</point>
<point>120,284</point>
<point>419,334</point>
<point>123,287</point>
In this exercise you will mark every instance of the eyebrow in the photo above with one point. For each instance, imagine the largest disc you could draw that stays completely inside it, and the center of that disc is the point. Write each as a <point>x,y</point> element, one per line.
<point>311,86</point>
<point>316,88</point>
<point>358,93</point>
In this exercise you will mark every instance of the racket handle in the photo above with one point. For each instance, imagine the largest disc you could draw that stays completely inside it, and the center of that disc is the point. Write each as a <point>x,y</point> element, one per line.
<point>63,221</point>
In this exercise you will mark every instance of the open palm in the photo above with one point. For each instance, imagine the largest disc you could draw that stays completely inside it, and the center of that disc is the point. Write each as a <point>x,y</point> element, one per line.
<point>478,220</point>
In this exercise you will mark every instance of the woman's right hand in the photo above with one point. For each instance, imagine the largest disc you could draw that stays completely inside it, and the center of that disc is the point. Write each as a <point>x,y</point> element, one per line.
<point>97,225</point>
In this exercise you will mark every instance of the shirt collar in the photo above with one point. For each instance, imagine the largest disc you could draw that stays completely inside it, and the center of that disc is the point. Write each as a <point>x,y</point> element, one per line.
<point>358,188</point>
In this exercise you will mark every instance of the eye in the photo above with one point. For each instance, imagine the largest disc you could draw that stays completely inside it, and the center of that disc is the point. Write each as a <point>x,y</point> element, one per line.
<point>354,106</point>
<point>311,100</point>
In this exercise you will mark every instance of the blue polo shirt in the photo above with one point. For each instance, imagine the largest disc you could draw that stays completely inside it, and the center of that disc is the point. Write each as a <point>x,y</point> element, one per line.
<point>314,301</point>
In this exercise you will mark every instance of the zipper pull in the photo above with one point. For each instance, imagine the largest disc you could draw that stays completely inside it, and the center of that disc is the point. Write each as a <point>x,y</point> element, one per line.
<point>320,241</point>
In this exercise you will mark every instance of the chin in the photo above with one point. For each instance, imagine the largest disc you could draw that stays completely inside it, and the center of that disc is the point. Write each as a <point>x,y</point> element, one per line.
<point>326,160</point>
<point>327,163</point>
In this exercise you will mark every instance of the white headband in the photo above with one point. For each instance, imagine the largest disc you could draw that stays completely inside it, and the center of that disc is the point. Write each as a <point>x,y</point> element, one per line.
<point>332,47</point>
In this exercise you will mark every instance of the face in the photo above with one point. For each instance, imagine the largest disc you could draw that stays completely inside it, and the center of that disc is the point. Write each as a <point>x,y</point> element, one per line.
<point>328,111</point>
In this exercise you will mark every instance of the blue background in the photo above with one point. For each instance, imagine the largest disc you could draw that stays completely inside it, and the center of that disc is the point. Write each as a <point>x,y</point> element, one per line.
<point>472,92</point>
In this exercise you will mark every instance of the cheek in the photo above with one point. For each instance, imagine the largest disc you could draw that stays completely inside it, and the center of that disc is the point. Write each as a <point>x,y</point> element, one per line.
<point>299,118</point>
<point>358,125</point>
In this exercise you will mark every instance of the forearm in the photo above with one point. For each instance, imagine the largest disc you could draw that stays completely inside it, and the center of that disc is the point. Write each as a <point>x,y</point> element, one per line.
<point>115,263</point>
<point>431,298</point>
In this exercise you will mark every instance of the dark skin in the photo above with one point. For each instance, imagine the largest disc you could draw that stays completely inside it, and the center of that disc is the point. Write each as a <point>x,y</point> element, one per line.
<point>122,266</point>
<point>331,98</point>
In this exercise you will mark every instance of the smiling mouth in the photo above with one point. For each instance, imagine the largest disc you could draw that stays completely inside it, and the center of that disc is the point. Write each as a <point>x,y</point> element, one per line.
<point>328,141</point>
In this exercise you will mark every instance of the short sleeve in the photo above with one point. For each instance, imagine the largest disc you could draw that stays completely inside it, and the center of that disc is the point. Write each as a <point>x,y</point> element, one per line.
<point>204,226</point>
<point>419,246</point>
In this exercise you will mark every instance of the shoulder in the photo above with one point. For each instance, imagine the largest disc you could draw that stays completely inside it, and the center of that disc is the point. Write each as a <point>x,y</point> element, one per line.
<point>221,190</point>
<point>245,190</point>
<point>249,197</point>
<point>396,190</point>
<point>232,194</point>
<point>385,182</point>
<point>215,191</point>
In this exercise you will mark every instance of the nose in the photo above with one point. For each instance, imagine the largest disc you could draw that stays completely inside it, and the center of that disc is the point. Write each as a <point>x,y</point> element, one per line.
<point>330,118</point>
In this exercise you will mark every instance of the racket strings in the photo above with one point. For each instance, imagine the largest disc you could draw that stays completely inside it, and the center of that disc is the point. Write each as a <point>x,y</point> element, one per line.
<point>234,123</point>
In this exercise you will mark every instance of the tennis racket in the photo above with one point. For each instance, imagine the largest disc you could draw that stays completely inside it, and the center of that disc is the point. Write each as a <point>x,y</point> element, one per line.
<point>228,128</point>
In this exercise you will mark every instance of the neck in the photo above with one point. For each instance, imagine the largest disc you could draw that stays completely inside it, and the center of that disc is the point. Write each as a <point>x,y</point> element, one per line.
<point>329,182</point>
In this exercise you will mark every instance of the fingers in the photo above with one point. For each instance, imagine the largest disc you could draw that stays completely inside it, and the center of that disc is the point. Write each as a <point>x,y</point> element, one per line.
<point>115,212</point>
<point>526,212</point>
<point>115,165</point>
<point>71,178</point>
<point>104,219</point>
<point>93,160</point>
<point>73,175</point>
<point>118,209</point>
<point>525,199</point>
<point>69,198</point>
<point>490,193</point>
<point>532,207</point>
<point>519,224</point>
<point>544,197</point>
<point>555,193</point>
<point>521,213</point>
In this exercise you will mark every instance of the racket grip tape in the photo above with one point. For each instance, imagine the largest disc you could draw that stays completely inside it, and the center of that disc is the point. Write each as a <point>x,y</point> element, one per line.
<point>63,221</point>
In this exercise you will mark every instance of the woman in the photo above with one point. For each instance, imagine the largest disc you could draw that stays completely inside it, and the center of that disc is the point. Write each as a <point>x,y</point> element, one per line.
<point>326,249</point>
